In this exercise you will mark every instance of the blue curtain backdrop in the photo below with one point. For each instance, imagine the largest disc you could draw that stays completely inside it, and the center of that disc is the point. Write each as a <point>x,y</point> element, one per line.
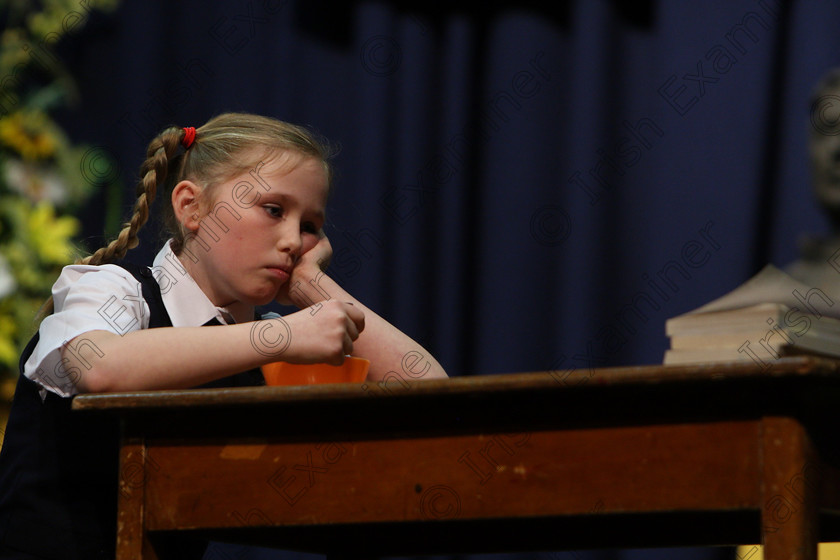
<point>521,185</point>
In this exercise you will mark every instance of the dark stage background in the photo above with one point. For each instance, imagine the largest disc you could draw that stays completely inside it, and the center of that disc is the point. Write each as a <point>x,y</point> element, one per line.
<point>521,186</point>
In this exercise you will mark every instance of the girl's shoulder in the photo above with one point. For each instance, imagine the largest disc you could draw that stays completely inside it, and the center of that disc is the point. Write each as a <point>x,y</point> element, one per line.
<point>111,272</point>
<point>86,298</point>
<point>109,279</point>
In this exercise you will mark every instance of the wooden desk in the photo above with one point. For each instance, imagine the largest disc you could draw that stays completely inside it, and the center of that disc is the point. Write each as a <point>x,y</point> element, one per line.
<point>620,457</point>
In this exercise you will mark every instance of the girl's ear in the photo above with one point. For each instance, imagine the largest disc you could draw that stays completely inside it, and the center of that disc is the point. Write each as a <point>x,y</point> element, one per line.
<point>185,198</point>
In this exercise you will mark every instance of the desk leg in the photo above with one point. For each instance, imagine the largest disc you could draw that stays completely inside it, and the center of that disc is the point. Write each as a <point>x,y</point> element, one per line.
<point>132,543</point>
<point>789,516</point>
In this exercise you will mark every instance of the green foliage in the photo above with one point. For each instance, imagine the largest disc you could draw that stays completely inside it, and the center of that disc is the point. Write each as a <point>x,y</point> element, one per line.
<point>42,183</point>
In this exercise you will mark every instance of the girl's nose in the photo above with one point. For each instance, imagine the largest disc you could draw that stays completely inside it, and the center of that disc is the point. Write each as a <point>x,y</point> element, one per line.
<point>290,240</point>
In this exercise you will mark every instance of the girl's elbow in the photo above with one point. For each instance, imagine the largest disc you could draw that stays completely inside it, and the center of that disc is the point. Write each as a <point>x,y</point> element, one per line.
<point>87,357</point>
<point>97,379</point>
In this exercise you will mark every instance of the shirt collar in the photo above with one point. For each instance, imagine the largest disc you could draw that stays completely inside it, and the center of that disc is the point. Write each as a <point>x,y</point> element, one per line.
<point>186,304</point>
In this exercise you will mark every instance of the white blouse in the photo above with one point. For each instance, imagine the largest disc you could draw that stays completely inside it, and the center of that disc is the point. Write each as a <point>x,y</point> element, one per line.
<point>109,298</point>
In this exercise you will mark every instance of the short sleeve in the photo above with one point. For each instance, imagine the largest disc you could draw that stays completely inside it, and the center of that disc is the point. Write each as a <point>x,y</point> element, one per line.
<point>87,298</point>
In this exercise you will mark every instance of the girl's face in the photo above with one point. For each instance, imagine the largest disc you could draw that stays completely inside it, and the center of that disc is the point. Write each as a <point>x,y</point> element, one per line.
<point>825,149</point>
<point>252,232</point>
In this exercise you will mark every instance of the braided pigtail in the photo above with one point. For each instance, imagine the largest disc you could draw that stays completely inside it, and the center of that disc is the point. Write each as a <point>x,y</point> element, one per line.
<point>162,150</point>
<point>160,153</point>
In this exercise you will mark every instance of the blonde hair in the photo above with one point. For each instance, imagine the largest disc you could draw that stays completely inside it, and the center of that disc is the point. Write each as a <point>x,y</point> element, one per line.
<point>224,146</point>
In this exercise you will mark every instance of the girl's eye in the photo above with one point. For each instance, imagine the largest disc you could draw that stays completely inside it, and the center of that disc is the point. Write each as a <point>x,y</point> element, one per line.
<point>274,211</point>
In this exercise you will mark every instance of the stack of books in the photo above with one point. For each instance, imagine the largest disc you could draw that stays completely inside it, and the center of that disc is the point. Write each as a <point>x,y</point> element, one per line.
<point>770,316</point>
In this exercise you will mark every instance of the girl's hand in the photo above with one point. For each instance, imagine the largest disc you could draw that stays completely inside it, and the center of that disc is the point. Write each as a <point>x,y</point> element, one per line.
<point>323,333</point>
<point>315,256</point>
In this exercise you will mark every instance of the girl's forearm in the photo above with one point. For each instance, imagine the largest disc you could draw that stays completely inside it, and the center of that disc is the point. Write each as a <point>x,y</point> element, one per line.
<point>177,358</point>
<point>162,358</point>
<point>389,350</point>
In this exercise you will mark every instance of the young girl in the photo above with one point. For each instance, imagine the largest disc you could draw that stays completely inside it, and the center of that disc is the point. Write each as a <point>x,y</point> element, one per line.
<point>246,214</point>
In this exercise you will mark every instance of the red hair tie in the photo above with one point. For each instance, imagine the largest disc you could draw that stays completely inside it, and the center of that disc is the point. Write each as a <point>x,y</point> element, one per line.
<point>189,137</point>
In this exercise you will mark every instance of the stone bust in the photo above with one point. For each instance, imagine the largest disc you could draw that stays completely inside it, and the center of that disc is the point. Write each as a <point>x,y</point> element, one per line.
<point>819,261</point>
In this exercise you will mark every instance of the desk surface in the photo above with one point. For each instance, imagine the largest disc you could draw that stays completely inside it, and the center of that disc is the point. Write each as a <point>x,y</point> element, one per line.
<point>787,368</point>
<point>630,456</point>
<point>802,386</point>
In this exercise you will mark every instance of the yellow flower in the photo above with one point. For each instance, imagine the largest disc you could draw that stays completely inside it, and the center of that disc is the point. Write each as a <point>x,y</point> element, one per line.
<point>50,236</point>
<point>8,348</point>
<point>30,134</point>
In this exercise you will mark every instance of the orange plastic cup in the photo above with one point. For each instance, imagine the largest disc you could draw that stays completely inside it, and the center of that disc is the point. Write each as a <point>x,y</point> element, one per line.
<point>353,370</point>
